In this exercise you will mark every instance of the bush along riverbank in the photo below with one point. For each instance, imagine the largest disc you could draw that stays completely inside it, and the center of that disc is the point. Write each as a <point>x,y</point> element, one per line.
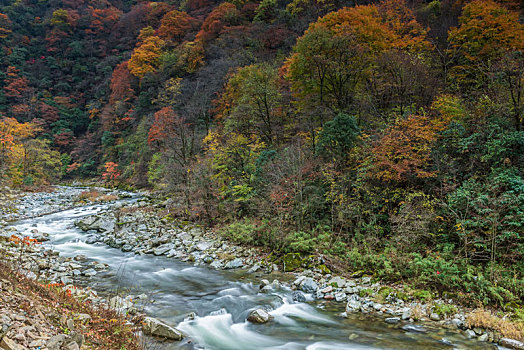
<point>144,228</point>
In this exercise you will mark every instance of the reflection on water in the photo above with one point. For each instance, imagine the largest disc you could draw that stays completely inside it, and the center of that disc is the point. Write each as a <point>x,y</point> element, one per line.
<point>221,301</point>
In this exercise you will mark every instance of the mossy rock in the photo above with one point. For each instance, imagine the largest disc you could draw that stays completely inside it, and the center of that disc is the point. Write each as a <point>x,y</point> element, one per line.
<point>324,269</point>
<point>292,261</point>
<point>358,274</point>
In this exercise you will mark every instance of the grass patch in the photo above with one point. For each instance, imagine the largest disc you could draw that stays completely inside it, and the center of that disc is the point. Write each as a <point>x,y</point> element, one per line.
<point>485,319</point>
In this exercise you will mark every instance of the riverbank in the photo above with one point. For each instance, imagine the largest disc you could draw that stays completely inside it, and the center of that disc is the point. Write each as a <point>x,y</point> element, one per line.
<point>37,316</point>
<point>141,226</point>
<point>144,228</point>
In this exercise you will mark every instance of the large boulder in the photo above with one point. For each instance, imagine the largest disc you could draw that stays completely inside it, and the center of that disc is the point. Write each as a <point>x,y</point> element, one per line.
<point>512,343</point>
<point>258,316</point>
<point>235,264</point>
<point>157,328</point>
<point>308,285</point>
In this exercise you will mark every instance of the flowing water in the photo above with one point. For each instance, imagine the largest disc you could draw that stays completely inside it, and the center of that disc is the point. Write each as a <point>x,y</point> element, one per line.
<point>221,301</point>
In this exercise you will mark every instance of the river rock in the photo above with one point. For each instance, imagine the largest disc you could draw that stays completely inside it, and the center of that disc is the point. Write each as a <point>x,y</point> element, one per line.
<point>470,333</point>
<point>434,316</point>
<point>255,268</point>
<point>55,342</point>
<point>337,282</point>
<point>352,306</point>
<point>328,289</point>
<point>157,328</point>
<point>414,328</point>
<point>90,272</point>
<point>512,343</point>
<point>458,323</point>
<point>204,246</point>
<point>127,248</point>
<point>120,303</point>
<point>483,337</point>
<point>298,296</point>
<point>164,248</point>
<point>392,320</point>
<point>217,264</point>
<point>8,344</point>
<point>258,316</point>
<point>309,285</point>
<point>234,264</point>
<point>340,296</point>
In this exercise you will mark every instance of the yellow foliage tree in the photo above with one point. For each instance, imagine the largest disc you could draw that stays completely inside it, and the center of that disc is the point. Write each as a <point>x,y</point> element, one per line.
<point>146,57</point>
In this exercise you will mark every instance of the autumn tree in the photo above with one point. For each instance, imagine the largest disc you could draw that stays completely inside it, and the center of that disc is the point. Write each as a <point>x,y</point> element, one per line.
<point>146,57</point>
<point>175,25</point>
<point>24,159</point>
<point>403,153</point>
<point>176,140</point>
<point>5,26</point>
<point>251,103</point>
<point>225,14</point>
<point>490,40</point>
<point>335,57</point>
<point>18,90</point>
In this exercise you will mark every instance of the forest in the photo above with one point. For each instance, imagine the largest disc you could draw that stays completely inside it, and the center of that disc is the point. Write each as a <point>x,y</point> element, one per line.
<point>385,136</point>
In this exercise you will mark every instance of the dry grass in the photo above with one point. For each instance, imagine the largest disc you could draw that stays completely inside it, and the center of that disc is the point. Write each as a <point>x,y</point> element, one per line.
<point>106,330</point>
<point>485,319</point>
<point>95,196</point>
<point>417,313</point>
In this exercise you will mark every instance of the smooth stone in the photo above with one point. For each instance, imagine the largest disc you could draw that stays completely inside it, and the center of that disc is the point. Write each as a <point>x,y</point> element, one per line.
<point>353,305</point>
<point>470,334</point>
<point>414,328</point>
<point>308,285</point>
<point>328,289</point>
<point>90,272</point>
<point>337,282</point>
<point>340,296</point>
<point>483,337</point>
<point>234,264</point>
<point>258,316</point>
<point>298,296</point>
<point>511,343</point>
<point>434,316</point>
<point>204,246</point>
<point>160,329</point>
<point>392,320</point>
<point>458,323</point>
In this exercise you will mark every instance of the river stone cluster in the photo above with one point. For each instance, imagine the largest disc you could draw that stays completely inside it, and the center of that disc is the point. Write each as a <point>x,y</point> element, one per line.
<point>132,229</point>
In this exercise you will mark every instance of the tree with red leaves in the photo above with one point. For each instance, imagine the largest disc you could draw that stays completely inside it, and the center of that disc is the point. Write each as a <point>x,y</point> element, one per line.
<point>175,25</point>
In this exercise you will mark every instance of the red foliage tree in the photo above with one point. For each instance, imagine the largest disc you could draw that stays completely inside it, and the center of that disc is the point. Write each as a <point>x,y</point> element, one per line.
<point>121,84</point>
<point>48,113</point>
<point>225,14</point>
<point>16,87</point>
<point>175,25</point>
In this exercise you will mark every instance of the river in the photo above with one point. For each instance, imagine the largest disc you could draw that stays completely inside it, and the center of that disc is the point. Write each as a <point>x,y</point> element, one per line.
<point>221,301</point>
